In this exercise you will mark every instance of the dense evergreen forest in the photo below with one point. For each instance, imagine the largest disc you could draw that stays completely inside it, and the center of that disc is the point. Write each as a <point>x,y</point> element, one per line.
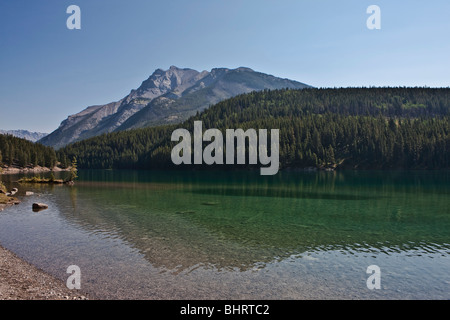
<point>23,153</point>
<point>371,128</point>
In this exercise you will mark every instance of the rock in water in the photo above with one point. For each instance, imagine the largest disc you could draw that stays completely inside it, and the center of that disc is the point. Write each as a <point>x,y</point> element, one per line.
<point>210,203</point>
<point>29,193</point>
<point>39,206</point>
<point>185,212</point>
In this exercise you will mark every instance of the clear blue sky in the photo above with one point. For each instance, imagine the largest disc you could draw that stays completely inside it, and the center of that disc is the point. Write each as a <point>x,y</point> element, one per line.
<point>48,72</point>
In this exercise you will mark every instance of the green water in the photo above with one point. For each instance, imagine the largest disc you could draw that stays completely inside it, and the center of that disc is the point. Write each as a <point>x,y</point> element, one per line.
<point>239,235</point>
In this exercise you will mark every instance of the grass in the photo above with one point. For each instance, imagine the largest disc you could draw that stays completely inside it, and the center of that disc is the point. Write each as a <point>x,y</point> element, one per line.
<point>4,199</point>
<point>37,179</point>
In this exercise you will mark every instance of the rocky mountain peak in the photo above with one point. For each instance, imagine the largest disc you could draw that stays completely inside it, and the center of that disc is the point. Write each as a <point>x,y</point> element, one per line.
<point>167,96</point>
<point>163,81</point>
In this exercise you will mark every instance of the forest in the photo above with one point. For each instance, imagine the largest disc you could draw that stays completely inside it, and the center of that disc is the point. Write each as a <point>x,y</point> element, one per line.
<point>358,128</point>
<point>23,153</point>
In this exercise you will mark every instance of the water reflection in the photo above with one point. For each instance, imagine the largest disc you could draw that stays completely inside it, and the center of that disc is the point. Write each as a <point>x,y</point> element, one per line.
<point>242,221</point>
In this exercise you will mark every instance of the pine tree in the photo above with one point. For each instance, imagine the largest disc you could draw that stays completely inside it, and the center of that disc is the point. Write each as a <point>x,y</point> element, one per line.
<point>330,160</point>
<point>73,170</point>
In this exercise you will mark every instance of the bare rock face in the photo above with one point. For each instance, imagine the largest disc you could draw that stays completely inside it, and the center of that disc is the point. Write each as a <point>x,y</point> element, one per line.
<point>167,96</point>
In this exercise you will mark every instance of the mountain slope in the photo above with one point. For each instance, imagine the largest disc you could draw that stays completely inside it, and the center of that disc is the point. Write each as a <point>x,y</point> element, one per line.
<point>169,96</point>
<point>218,85</point>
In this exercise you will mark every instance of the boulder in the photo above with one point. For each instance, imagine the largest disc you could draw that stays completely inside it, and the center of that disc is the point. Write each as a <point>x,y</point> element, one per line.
<point>39,206</point>
<point>29,193</point>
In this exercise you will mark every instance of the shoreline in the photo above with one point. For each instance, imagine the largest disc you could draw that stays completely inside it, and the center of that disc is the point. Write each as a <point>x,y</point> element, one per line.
<point>20,280</point>
<point>18,170</point>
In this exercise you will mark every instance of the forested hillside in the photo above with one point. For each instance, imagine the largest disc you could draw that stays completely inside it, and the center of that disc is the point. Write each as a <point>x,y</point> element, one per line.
<point>378,128</point>
<point>21,152</point>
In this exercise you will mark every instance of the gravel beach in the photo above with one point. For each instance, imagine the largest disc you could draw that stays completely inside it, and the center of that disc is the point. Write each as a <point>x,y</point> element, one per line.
<point>20,280</point>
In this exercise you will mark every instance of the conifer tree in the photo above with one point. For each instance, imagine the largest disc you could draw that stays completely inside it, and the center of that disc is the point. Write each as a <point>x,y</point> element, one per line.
<point>73,170</point>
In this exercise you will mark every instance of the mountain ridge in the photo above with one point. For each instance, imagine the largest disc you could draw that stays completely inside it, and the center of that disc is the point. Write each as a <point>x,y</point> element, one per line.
<point>25,134</point>
<point>165,97</point>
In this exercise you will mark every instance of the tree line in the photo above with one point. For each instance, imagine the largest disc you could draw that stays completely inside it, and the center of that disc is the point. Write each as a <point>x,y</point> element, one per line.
<point>373,128</point>
<point>23,153</point>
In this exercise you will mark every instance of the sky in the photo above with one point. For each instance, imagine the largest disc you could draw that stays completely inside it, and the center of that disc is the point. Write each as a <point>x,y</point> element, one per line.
<point>48,71</point>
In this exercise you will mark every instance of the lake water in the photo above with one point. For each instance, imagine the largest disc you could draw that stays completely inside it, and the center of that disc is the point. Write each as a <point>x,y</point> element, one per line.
<point>239,235</point>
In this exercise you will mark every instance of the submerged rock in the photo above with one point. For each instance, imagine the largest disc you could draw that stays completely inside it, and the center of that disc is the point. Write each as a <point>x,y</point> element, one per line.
<point>210,203</point>
<point>185,212</point>
<point>39,206</point>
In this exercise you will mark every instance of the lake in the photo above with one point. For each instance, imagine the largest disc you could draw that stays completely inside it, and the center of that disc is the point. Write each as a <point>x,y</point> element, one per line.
<point>240,235</point>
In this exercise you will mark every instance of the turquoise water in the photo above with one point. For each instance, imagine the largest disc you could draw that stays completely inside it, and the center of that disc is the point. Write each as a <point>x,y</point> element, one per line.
<point>239,235</point>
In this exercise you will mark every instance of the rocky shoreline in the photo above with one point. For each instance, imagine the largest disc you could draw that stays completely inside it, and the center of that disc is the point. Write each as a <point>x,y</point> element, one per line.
<point>10,203</point>
<point>20,280</point>
<point>35,170</point>
<point>6,198</point>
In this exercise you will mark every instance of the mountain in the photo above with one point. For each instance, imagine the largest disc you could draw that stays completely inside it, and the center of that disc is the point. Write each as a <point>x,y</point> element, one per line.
<point>167,96</point>
<point>211,88</point>
<point>25,134</point>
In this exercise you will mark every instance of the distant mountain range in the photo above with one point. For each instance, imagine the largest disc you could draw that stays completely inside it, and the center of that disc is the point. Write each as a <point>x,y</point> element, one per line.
<point>167,96</point>
<point>25,134</point>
